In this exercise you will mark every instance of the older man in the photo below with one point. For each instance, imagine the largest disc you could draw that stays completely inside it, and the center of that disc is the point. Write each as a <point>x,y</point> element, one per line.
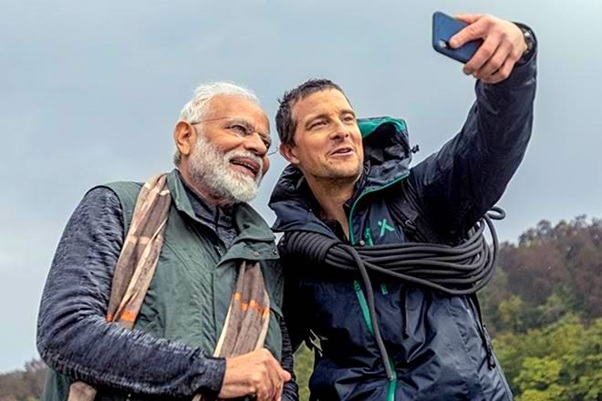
<point>172,289</point>
<point>349,188</point>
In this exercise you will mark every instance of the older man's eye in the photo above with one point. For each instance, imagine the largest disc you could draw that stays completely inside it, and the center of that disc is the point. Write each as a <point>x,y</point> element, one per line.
<point>239,129</point>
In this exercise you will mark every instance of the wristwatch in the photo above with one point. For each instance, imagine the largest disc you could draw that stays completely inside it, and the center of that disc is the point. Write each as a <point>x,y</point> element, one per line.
<point>529,39</point>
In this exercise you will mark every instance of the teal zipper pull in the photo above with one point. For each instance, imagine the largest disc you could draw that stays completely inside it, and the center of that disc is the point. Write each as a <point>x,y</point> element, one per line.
<point>368,236</point>
<point>363,305</point>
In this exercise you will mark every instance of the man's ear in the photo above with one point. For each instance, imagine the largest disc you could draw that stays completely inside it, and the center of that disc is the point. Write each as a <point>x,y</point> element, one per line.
<point>185,137</point>
<point>289,153</point>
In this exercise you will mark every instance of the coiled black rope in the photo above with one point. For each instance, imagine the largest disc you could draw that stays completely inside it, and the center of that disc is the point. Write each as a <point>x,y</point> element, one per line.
<point>456,270</point>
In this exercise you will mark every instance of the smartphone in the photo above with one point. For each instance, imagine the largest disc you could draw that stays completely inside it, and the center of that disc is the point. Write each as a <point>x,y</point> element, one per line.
<point>444,27</point>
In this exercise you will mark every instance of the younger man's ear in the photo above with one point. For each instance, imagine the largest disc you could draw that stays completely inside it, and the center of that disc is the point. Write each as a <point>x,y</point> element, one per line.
<point>185,137</point>
<point>289,153</point>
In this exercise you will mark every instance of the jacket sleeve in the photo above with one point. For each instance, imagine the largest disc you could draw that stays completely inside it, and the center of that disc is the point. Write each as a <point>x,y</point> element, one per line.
<point>73,336</point>
<point>459,183</point>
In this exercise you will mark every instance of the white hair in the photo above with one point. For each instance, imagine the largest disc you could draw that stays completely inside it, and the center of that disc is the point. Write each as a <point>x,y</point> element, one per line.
<point>196,108</point>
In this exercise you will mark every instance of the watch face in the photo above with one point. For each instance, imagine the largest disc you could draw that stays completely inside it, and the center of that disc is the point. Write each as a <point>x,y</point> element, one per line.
<point>528,39</point>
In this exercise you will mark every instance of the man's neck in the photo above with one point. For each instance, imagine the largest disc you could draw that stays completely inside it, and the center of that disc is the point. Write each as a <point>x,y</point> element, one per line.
<point>331,196</point>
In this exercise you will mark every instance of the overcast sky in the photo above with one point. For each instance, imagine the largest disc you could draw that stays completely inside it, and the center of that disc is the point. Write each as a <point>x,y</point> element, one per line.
<point>90,92</point>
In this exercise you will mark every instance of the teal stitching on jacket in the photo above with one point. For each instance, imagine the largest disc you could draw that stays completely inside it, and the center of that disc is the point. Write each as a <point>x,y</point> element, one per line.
<point>384,227</point>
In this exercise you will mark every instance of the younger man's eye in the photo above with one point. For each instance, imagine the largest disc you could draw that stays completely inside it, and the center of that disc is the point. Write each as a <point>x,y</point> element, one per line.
<point>318,123</point>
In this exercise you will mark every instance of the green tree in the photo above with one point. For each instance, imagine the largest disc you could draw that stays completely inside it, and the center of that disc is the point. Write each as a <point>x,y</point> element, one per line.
<point>583,366</point>
<point>539,379</point>
<point>304,366</point>
<point>511,312</point>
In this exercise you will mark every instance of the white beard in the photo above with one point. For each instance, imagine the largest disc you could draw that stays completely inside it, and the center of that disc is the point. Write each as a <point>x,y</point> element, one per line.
<point>210,168</point>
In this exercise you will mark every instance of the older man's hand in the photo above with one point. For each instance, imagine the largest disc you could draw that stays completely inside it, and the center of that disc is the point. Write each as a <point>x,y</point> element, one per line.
<point>257,373</point>
<point>503,45</point>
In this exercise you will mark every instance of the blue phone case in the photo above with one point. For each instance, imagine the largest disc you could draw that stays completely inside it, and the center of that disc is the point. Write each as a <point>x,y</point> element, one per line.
<point>444,27</point>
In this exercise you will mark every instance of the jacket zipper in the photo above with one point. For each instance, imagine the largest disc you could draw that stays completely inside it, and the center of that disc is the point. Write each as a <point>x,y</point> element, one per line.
<point>358,288</point>
<point>366,314</point>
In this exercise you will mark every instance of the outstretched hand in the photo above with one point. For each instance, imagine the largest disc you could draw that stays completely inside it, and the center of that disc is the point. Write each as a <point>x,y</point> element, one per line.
<point>503,45</point>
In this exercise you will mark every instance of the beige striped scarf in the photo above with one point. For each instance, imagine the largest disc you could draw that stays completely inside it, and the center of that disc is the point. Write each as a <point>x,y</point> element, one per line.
<point>247,320</point>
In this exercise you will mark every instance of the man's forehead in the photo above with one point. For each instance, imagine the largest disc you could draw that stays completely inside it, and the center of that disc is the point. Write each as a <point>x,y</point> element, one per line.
<point>234,106</point>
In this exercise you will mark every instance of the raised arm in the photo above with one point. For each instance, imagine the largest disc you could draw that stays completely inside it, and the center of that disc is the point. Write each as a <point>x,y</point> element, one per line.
<point>458,184</point>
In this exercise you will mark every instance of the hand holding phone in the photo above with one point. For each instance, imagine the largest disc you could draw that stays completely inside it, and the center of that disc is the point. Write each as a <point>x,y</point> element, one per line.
<point>444,27</point>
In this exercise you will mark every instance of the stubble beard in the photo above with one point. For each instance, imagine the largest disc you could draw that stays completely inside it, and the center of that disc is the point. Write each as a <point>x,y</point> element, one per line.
<point>336,178</point>
<point>343,173</point>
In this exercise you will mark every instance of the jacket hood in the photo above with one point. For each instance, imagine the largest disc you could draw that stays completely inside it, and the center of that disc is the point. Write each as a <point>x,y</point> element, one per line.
<point>387,157</point>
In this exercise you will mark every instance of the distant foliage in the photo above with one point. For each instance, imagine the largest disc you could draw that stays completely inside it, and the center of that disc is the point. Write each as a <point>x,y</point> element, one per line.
<point>551,273</point>
<point>304,362</point>
<point>544,308</point>
<point>23,385</point>
<point>561,362</point>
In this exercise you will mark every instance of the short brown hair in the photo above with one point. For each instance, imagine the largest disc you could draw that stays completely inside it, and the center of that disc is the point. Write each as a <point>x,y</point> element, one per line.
<point>285,125</point>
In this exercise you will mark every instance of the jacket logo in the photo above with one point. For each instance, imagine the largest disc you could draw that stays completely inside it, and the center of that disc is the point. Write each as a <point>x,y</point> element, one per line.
<point>384,227</point>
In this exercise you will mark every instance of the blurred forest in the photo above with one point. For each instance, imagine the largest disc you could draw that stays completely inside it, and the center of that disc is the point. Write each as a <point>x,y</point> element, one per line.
<point>23,385</point>
<point>543,309</point>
